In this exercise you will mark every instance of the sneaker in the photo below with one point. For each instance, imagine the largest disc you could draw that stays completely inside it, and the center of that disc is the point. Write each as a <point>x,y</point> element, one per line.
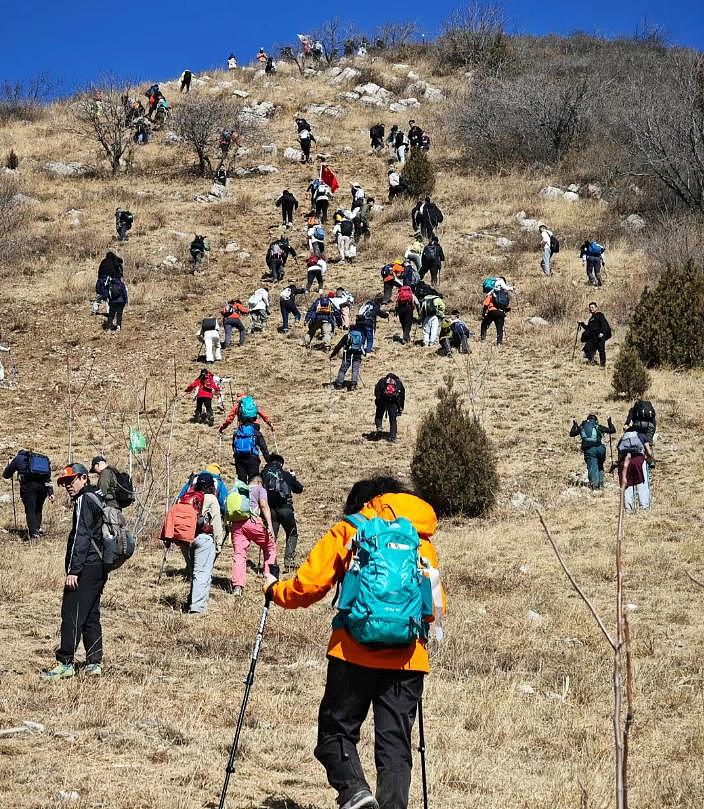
<point>93,669</point>
<point>237,592</point>
<point>362,798</point>
<point>337,386</point>
<point>61,671</point>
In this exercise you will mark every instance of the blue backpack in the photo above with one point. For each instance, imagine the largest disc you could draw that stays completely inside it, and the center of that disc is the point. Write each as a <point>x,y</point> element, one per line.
<point>384,595</point>
<point>355,341</point>
<point>38,465</point>
<point>245,440</point>
<point>318,233</point>
<point>247,410</point>
<point>500,298</point>
<point>488,285</point>
<point>595,250</point>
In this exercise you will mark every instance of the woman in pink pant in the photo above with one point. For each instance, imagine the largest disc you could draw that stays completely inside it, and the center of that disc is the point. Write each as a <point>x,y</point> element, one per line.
<point>256,529</point>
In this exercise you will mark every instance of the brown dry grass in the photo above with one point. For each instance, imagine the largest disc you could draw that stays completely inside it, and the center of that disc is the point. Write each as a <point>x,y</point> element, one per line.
<point>154,731</point>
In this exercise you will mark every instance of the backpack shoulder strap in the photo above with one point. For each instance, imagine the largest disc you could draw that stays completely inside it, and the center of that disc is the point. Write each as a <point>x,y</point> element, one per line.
<point>94,497</point>
<point>355,520</point>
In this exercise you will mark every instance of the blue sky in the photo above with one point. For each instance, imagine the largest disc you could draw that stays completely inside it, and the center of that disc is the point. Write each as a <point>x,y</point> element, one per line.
<point>76,41</point>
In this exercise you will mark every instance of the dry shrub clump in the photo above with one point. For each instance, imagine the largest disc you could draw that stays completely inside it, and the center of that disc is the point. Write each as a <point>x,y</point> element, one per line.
<point>666,325</point>
<point>418,174</point>
<point>630,379</point>
<point>453,464</point>
<point>556,303</point>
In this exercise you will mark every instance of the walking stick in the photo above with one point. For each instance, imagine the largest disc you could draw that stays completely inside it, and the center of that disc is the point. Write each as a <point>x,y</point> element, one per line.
<point>274,569</point>
<point>421,750</point>
<point>576,337</point>
<point>611,449</point>
<point>167,548</point>
<point>14,508</point>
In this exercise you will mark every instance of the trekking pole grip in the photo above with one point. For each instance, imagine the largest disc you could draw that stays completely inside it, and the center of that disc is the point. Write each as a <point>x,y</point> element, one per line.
<point>274,570</point>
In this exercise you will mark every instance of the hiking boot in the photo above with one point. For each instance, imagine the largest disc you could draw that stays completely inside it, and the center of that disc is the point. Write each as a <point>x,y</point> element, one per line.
<point>237,592</point>
<point>93,669</point>
<point>362,798</point>
<point>353,386</point>
<point>337,386</point>
<point>61,671</point>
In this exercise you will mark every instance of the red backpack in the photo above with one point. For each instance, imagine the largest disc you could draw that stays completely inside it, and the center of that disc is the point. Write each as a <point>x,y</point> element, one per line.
<point>184,520</point>
<point>390,388</point>
<point>405,295</point>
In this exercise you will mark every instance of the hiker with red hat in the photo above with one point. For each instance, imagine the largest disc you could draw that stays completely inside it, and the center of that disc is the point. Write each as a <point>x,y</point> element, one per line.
<point>85,578</point>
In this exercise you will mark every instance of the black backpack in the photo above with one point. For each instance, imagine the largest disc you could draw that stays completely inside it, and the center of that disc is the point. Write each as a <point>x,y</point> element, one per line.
<point>276,485</point>
<point>501,299</point>
<point>208,324</point>
<point>554,244</point>
<point>346,227</point>
<point>643,411</point>
<point>125,494</point>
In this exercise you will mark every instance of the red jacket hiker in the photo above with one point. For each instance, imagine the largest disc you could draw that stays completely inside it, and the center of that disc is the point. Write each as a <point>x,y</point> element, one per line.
<point>205,385</point>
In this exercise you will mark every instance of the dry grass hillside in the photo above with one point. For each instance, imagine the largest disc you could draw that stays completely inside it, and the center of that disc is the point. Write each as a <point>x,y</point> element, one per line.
<point>517,707</point>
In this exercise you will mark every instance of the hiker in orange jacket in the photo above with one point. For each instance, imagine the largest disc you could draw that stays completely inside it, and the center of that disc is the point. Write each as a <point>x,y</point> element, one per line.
<point>234,414</point>
<point>389,679</point>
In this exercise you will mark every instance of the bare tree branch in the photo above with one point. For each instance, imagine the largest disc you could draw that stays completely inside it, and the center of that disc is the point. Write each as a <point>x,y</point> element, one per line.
<point>574,583</point>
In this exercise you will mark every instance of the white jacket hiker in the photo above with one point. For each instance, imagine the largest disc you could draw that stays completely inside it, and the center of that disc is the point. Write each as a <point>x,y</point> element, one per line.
<point>212,340</point>
<point>545,236</point>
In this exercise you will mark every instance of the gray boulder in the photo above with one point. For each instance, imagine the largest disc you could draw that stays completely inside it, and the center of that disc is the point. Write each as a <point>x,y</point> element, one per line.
<point>551,192</point>
<point>633,222</point>
<point>72,169</point>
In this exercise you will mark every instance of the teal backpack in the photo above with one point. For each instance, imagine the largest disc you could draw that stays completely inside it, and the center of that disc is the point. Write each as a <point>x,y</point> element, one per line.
<point>247,409</point>
<point>384,595</point>
<point>589,434</point>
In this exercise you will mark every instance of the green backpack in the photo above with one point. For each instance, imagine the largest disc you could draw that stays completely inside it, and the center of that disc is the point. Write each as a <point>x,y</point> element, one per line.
<point>237,507</point>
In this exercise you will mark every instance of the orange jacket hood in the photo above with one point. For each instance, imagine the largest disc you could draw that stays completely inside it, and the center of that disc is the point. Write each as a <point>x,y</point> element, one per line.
<point>420,513</point>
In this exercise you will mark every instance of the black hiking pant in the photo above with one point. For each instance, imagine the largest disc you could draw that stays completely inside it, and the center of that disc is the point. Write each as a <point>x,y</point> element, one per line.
<point>285,517</point>
<point>321,209</point>
<point>494,316</point>
<point>393,697</point>
<point>204,411</point>
<point>305,148</point>
<point>433,269</point>
<point>314,275</point>
<point>80,616</point>
<point>384,406</point>
<point>405,316</point>
<point>591,347</point>
<point>114,320</point>
<point>185,85</point>
<point>33,494</point>
<point>287,214</point>
<point>246,466</point>
<point>122,229</point>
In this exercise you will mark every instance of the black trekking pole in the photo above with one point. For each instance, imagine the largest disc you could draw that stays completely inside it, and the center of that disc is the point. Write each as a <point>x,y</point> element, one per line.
<point>611,449</point>
<point>576,337</point>
<point>167,548</point>
<point>274,570</point>
<point>421,750</point>
<point>14,508</point>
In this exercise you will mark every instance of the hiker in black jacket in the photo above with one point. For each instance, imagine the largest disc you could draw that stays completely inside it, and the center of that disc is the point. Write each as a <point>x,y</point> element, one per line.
<point>431,260</point>
<point>369,312</point>
<point>287,304</point>
<point>390,398</point>
<point>376,135</point>
<point>288,204</point>
<point>595,332</point>
<point>35,486</point>
<point>281,484</point>
<point>110,267</point>
<point>85,578</point>
<point>425,217</point>
<point>123,223</point>
<point>352,346</point>
<point>415,135</point>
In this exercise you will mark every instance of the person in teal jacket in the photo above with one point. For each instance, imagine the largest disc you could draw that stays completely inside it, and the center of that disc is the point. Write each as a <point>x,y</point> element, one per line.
<point>591,434</point>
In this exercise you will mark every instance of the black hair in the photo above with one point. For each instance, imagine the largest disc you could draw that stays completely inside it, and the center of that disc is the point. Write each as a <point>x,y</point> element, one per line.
<point>276,458</point>
<point>365,490</point>
<point>593,303</point>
